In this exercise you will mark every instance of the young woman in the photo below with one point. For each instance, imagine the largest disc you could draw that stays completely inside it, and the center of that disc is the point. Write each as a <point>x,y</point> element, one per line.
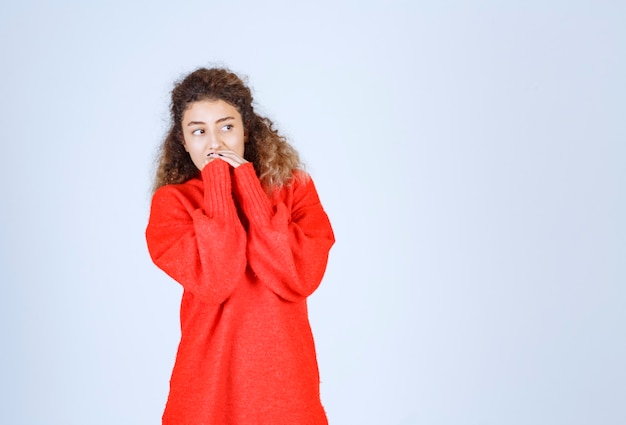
<point>240,226</point>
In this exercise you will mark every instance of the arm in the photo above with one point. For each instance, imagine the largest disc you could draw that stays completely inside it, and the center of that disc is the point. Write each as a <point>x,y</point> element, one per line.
<point>201,244</point>
<point>287,249</point>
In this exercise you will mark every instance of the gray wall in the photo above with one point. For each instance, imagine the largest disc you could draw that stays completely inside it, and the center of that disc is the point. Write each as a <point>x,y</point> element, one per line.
<point>470,155</point>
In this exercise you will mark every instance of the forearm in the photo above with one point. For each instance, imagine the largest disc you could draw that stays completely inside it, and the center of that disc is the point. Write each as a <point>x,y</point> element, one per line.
<point>287,246</point>
<point>196,237</point>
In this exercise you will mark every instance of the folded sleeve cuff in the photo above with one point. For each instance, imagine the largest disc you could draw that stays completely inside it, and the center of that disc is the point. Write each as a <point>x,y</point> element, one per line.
<point>253,199</point>
<point>218,198</point>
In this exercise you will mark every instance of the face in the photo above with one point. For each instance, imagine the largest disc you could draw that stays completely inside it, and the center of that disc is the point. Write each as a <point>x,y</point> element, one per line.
<point>212,126</point>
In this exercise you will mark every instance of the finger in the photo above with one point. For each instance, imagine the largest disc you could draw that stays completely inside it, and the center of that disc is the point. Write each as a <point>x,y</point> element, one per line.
<point>233,161</point>
<point>209,158</point>
<point>224,156</point>
<point>230,157</point>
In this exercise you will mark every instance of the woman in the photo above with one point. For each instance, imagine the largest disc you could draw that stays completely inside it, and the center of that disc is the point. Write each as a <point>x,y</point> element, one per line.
<point>240,226</point>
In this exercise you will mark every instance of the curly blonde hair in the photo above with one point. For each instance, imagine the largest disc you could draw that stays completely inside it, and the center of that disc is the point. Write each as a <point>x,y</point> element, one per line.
<point>274,159</point>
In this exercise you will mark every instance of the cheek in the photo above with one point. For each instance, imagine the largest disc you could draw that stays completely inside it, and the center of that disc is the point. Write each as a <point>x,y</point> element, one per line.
<point>195,152</point>
<point>242,147</point>
<point>238,143</point>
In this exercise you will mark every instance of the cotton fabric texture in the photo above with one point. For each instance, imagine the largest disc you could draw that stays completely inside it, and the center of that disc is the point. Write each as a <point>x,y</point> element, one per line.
<point>247,262</point>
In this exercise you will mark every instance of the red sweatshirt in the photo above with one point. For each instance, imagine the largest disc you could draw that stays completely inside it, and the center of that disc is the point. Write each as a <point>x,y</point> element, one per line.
<point>247,262</point>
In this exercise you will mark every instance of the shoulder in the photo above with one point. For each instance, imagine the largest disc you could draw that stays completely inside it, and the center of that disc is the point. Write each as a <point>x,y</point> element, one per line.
<point>299,192</point>
<point>178,194</point>
<point>302,182</point>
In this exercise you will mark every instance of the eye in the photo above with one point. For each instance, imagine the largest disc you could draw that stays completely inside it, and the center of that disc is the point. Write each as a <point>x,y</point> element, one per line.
<point>197,132</point>
<point>228,127</point>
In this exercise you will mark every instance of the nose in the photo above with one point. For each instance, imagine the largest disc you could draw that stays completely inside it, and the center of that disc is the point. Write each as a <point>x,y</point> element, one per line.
<point>214,142</point>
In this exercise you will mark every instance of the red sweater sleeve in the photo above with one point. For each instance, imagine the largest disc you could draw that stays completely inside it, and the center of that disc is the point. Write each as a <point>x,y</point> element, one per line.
<point>197,238</point>
<point>287,248</point>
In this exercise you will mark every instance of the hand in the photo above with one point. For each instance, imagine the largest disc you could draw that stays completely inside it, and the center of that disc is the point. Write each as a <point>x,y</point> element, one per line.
<point>227,156</point>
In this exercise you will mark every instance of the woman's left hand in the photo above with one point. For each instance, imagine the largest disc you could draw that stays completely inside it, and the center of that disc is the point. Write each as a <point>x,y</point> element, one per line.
<point>228,156</point>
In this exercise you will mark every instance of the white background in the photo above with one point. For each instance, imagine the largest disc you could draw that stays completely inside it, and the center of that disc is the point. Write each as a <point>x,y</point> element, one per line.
<point>471,157</point>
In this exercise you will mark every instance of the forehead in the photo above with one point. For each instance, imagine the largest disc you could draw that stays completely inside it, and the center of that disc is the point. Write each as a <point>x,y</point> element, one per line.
<point>209,110</point>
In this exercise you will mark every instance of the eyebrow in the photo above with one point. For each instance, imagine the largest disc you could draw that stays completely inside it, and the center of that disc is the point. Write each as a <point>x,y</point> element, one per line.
<point>216,122</point>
